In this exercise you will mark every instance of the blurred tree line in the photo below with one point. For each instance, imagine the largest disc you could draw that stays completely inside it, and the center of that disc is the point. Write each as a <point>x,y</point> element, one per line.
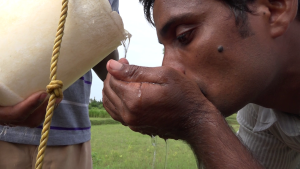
<point>96,104</point>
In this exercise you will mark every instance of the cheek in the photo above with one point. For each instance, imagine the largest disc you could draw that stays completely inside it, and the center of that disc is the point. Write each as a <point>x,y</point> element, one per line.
<point>239,78</point>
<point>232,78</point>
<point>204,62</point>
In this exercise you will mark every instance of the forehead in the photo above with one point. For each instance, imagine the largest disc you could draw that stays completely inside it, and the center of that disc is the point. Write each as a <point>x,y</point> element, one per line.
<point>175,3</point>
<point>164,10</point>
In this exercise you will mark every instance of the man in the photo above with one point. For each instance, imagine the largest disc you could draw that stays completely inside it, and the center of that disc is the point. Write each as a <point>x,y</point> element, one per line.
<point>220,55</point>
<point>69,138</point>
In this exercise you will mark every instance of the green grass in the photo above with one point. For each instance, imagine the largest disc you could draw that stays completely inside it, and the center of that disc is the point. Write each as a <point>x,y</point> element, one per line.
<point>102,121</point>
<point>117,147</point>
<point>231,120</point>
<point>98,113</point>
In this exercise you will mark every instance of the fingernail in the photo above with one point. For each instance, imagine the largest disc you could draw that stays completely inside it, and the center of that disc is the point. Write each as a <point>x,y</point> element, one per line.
<point>43,97</point>
<point>124,61</point>
<point>115,65</point>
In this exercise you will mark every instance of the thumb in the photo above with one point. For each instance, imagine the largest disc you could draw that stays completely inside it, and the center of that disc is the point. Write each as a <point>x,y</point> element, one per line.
<point>132,73</point>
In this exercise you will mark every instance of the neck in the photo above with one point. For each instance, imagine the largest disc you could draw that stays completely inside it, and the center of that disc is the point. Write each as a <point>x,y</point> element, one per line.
<point>284,94</point>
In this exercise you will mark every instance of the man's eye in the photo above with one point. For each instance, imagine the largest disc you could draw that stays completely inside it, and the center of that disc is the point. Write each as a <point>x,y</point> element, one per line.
<point>185,37</point>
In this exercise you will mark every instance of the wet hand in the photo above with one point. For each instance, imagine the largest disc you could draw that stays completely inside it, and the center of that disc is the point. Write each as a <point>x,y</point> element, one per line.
<point>29,113</point>
<point>156,101</point>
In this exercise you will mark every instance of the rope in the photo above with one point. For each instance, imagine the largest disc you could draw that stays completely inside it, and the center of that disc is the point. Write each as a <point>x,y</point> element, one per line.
<point>54,88</point>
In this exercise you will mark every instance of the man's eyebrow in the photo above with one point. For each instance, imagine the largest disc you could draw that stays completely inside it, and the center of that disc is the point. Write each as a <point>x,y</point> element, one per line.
<point>173,20</point>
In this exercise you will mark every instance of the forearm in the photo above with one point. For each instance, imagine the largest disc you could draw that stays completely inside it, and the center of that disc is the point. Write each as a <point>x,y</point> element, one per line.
<point>100,68</point>
<point>218,147</point>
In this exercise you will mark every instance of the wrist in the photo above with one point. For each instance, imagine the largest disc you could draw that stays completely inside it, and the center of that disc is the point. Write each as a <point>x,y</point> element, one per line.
<point>214,143</point>
<point>207,127</point>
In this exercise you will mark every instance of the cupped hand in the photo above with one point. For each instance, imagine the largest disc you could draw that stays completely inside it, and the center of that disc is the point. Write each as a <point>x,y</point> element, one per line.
<point>29,113</point>
<point>156,101</point>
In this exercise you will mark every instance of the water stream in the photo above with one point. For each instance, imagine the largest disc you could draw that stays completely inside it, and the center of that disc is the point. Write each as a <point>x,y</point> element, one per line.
<point>153,141</point>
<point>126,43</point>
<point>154,144</point>
<point>166,158</point>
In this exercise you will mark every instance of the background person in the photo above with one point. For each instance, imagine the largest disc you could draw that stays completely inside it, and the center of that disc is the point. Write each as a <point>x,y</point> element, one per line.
<point>69,138</point>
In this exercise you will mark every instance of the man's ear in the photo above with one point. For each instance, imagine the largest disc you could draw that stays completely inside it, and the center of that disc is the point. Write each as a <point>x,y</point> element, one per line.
<point>281,14</point>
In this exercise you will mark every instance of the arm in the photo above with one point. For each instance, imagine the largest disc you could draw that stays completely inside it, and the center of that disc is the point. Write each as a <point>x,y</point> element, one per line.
<point>163,101</point>
<point>216,146</point>
<point>100,68</point>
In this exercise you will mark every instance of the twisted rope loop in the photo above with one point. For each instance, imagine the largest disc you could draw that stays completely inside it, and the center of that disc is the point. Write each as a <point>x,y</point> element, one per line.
<point>54,88</point>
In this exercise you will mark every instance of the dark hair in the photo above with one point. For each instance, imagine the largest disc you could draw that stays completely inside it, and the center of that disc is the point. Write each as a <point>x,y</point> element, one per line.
<point>238,7</point>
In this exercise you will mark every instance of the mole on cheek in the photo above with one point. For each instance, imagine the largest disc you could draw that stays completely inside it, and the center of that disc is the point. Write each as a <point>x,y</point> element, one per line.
<point>220,49</point>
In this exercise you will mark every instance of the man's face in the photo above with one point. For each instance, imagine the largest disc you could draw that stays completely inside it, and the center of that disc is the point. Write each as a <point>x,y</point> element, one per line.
<point>193,30</point>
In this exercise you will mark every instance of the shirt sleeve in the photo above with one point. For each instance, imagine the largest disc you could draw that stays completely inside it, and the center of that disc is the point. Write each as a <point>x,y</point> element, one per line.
<point>114,5</point>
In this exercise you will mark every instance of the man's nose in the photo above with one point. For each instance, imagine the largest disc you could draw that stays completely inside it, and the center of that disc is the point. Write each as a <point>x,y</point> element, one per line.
<point>173,59</point>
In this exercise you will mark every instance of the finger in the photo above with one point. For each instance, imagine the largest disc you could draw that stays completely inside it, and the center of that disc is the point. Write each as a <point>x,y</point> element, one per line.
<point>137,94</point>
<point>122,61</point>
<point>137,98</point>
<point>111,101</point>
<point>36,118</point>
<point>22,110</point>
<point>125,91</point>
<point>132,73</point>
<point>111,109</point>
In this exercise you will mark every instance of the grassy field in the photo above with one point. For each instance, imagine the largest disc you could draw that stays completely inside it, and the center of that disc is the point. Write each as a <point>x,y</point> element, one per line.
<point>117,147</point>
<point>102,121</point>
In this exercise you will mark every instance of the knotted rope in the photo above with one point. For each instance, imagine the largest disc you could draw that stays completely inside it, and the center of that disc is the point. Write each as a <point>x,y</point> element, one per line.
<point>54,88</point>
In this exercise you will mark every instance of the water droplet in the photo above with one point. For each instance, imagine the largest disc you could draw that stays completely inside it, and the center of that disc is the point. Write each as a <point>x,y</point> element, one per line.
<point>140,93</point>
<point>5,130</point>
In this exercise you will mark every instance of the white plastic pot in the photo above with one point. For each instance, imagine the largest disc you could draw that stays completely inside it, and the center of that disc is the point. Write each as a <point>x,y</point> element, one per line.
<point>27,33</point>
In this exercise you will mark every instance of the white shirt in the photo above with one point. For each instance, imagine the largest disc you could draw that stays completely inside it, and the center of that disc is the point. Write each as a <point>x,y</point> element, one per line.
<point>272,136</point>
